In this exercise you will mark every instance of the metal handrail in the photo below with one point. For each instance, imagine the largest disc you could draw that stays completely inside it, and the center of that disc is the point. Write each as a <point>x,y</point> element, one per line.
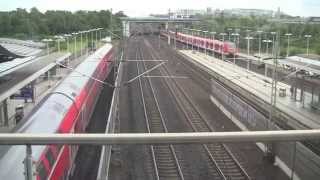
<point>158,138</point>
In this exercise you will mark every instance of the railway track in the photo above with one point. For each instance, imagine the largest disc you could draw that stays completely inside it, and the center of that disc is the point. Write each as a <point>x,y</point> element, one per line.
<point>222,163</point>
<point>164,158</point>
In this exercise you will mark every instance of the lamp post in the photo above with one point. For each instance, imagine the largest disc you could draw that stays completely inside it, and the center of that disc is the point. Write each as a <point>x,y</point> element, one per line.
<point>81,46</point>
<point>199,34</point>
<point>96,38</point>
<point>192,36</point>
<point>47,41</point>
<point>248,48</point>
<point>288,48</point>
<point>273,40</point>
<point>248,32</point>
<point>75,44</point>
<point>260,33</point>
<point>236,36</point>
<point>213,48</point>
<point>87,42</point>
<point>267,41</point>
<point>67,36</point>
<point>92,43</point>
<point>205,45</point>
<point>308,41</point>
<point>58,39</point>
<point>229,33</point>
<point>187,33</point>
<point>221,48</point>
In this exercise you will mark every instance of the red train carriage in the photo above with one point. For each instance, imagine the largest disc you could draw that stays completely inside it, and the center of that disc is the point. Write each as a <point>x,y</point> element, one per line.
<point>220,47</point>
<point>65,110</point>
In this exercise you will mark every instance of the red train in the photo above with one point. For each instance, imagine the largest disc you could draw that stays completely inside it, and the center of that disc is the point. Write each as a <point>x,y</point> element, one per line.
<point>67,109</point>
<point>226,48</point>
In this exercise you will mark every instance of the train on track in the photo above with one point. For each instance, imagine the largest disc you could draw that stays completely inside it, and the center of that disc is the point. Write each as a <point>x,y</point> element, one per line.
<point>67,109</point>
<point>225,48</point>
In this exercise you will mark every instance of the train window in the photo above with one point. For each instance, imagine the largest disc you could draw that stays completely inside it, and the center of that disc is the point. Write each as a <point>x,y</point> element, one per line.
<point>50,158</point>
<point>42,172</point>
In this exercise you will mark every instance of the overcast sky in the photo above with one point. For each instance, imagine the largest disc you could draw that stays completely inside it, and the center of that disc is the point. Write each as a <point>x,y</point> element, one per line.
<point>145,7</point>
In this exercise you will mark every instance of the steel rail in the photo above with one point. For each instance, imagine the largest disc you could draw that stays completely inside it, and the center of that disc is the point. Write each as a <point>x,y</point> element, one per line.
<point>171,148</point>
<point>187,106</point>
<point>147,122</point>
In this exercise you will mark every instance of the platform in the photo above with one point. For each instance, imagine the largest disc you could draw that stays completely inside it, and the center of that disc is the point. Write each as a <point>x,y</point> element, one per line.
<point>23,76</point>
<point>259,86</point>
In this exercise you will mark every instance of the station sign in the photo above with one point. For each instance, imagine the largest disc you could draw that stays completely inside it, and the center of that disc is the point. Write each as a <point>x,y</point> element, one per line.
<point>26,92</point>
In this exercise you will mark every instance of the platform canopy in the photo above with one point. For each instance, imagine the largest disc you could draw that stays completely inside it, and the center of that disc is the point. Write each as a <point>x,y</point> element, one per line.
<point>6,55</point>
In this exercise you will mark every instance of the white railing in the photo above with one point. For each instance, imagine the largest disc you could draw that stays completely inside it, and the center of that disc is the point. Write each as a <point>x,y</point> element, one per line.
<point>146,138</point>
<point>158,138</point>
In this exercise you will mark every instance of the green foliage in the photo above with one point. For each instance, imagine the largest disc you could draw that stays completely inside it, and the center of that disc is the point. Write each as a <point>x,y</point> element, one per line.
<point>35,25</point>
<point>241,24</point>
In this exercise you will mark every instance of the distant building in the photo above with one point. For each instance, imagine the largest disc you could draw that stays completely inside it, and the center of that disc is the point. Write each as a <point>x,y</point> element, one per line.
<point>185,13</point>
<point>314,19</point>
<point>248,12</point>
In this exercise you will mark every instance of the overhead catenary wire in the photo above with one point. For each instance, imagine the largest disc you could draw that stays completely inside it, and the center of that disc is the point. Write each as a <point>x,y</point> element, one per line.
<point>83,74</point>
